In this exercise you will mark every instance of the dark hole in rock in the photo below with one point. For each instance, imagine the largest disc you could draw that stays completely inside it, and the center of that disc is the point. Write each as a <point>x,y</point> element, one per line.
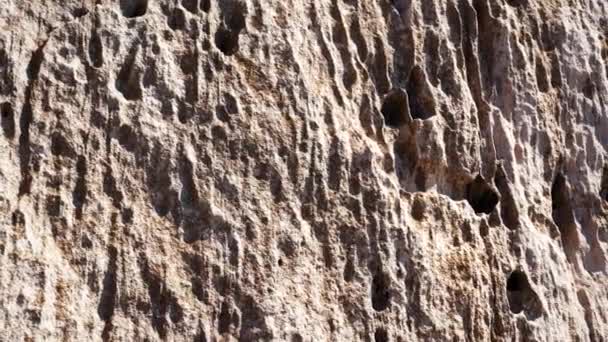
<point>481,196</point>
<point>133,8</point>
<point>521,296</point>
<point>7,115</point>
<point>33,67</point>
<point>79,12</point>
<point>418,208</point>
<point>224,319</point>
<point>237,19</point>
<point>604,185</point>
<point>127,215</point>
<point>53,206</point>
<point>60,145</point>
<point>86,242</point>
<point>381,335</point>
<point>95,50</point>
<point>227,35</point>
<point>190,5</point>
<point>177,19</point>
<point>517,3</point>
<point>542,79</point>
<point>589,89</point>
<point>420,96</point>
<point>380,292</point>
<point>227,41</point>
<point>18,219</point>
<point>395,108</point>
<point>205,5</point>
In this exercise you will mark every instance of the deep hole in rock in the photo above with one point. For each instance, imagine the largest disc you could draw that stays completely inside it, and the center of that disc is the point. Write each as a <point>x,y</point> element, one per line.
<point>177,19</point>
<point>420,97</point>
<point>107,301</point>
<point>7,115</point>
<point>227,41</point>
<point>80,12</point>
<point>380,292</point>
<point>517,3</point>
<point>227,35</point>
<point>53,205</point>
<point>522,297</point>
<point>381,335</point>
<point>589,89</point>
<point>18,219</point>
<point>237,19</point>
<point>205,5</point>
<point>95,50</point>
<point>481,196</point>
<point>126,215</point>
<point>563,215</point>
<point>190,5</point>
<point>133,8</point>
<point>33,67</point>
<point>542,80</point>
<point>395,108</point>
<point>604,184</point>
<point>60,146</point>
<point>224,319</point>
<point>418,208</point>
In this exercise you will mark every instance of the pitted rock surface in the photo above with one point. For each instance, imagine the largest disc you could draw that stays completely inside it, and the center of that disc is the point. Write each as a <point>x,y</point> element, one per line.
<point>304,170</point>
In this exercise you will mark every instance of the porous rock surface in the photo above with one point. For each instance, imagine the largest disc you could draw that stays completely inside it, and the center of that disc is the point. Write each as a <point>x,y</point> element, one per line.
<point>303,170</point>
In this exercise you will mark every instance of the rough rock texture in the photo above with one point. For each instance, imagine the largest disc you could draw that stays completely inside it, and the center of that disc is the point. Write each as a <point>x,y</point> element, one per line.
<point>303,170</point>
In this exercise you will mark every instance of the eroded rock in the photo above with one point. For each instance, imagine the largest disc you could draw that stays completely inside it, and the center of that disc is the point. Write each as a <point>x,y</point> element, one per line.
<point>303,170</point>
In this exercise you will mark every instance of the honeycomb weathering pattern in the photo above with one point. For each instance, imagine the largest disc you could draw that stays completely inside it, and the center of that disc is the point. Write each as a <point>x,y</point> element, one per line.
<point>299,170</point>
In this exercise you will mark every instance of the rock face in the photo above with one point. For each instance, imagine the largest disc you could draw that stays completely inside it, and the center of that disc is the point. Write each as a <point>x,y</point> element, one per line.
<point>303,170</point>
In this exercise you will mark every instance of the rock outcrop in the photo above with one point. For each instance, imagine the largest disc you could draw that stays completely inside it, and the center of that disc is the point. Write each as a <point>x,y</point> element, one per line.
<point>302,170</point>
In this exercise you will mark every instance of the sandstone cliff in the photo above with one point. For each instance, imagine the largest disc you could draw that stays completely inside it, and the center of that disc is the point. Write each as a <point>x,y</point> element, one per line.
<point>303,170</point>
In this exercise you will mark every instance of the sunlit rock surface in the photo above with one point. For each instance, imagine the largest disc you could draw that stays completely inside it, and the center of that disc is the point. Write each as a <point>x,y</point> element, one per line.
<point>299,170</point>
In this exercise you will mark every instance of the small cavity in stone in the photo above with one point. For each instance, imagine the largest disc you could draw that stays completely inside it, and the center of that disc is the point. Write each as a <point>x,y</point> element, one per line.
<point>517,3</point>
<point>133,8</point>
<point>604,184</point>
<point>522,297</point>
<point>395,108</point>
<point>227,35</point>
<point>7,118</point>
<point>381,335</point>
<point>381,296</point>
<point>481,196</point>
<point>227,41</point>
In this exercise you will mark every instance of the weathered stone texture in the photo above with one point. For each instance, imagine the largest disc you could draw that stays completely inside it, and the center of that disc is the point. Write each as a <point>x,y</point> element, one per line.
<point>304,170</point>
